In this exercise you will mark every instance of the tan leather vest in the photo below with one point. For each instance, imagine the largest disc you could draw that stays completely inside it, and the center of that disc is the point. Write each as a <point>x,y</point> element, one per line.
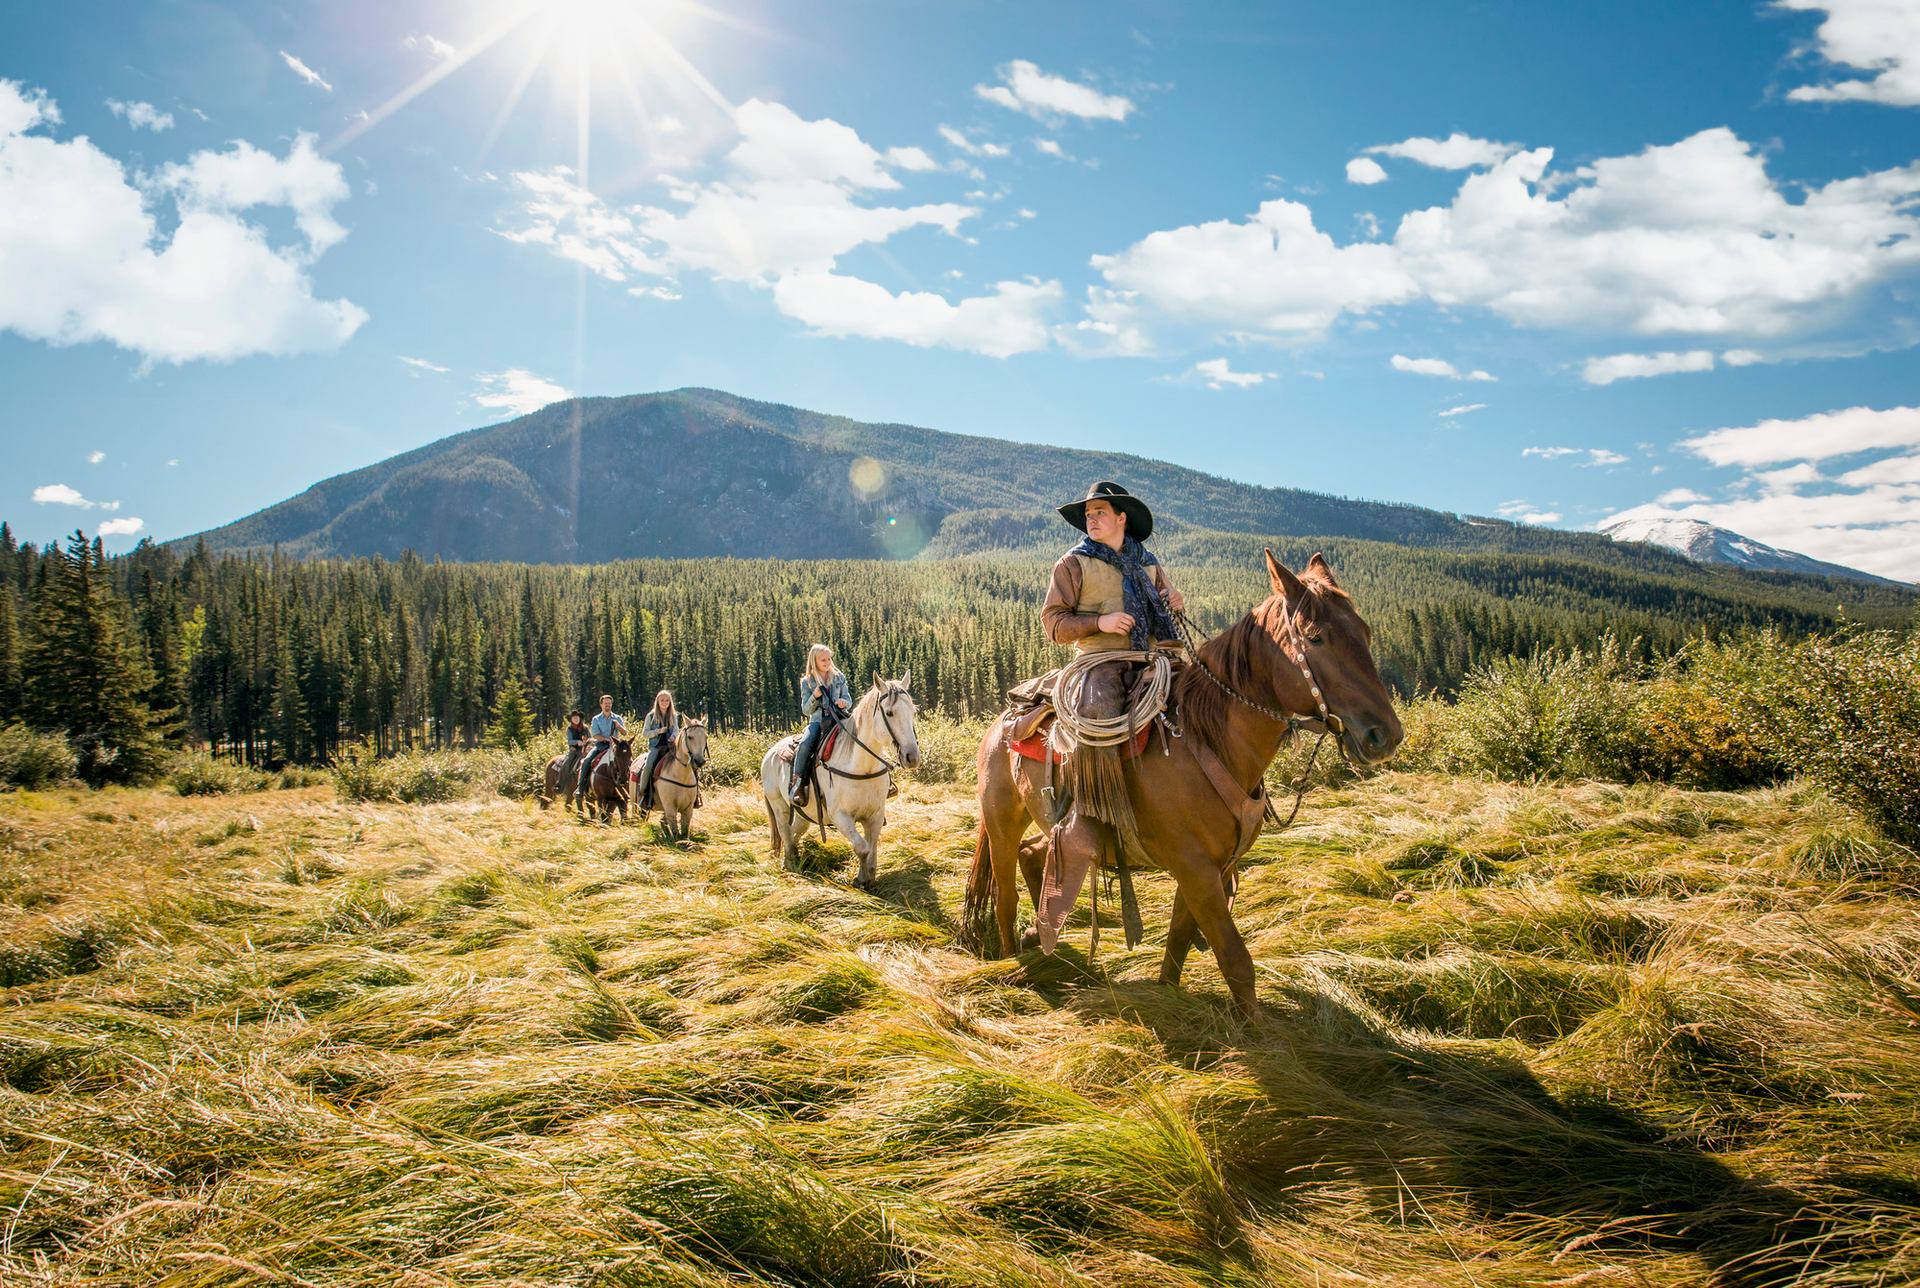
<point>1101,592</point>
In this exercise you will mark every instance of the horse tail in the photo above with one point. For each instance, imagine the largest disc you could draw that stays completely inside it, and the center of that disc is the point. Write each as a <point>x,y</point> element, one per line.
<point>979,925</point>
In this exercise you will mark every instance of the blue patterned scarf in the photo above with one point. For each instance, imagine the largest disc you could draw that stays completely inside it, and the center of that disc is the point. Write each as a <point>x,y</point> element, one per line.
<point>1151,620</point>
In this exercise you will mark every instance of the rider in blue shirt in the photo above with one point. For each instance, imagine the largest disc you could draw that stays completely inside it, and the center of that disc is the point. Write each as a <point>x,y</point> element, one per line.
<point>600,733</point>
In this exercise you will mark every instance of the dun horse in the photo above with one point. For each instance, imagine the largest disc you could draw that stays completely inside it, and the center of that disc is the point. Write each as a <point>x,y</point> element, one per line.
<point>676,779</point>
<point>853,779</point>
<point>1199,806</point>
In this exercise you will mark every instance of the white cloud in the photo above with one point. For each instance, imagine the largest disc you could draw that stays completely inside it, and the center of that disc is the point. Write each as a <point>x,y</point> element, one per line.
<point>1455,152</point>
<point>431,45</point>
<point>1527,512</point>
<point>789,206</point>
<point>81,256</point>
<point>121,527</point>
<point>911,159</point>
<point>1595,455</point>
<point>61,494</point>
<point>1693,238</point>
<point>95,457</point>
<point>1436,367</point>
<point>778,144</point>
<point>1025,88</point>
<point>1009,321</point>
<point>1881,36</point>
<point>1810,438</point>
<point>1636,366</point>
<point>1219,375</point>
<point>1051,147</point>
<point>1463,409</point>
<point>1365,170</point>
<point>1275,273</point>
<point>1742,357</point>
<point>1681,496</point>
<point>518,391</point>
<point>669,123</point>
<point>1866,517</point>
<point>305,72</point>
<point>421,364</point>
<point>141,116</point>
<point>961,142</point>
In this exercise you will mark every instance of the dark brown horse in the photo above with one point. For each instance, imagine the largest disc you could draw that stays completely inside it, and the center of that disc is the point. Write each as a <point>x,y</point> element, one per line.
<point>1196,808</point>
<point>608,789</point>
<point>561,783</point>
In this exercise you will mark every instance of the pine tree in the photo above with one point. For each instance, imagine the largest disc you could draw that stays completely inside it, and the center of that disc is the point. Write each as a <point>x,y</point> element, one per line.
<point>511,723</point>
<point>10,692</point>
<point>82,676</point>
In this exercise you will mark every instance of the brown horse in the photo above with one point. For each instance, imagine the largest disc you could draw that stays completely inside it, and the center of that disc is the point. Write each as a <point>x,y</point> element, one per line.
<point>1197,808</point>
<point>561,784</point>
<point>607,790</point>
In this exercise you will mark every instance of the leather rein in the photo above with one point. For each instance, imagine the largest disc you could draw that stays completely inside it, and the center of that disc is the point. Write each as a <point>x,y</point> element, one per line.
<point>1324,721</point>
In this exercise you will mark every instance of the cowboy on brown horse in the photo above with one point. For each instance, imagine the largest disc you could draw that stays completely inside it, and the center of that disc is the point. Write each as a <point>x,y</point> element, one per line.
<point>1108,594</point>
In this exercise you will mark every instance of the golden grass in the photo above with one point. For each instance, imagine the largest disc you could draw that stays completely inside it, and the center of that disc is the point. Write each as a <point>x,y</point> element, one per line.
<point>1560,1035</point>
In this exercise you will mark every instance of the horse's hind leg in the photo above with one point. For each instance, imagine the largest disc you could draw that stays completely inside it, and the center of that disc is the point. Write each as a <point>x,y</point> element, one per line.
<point>1180,932</point>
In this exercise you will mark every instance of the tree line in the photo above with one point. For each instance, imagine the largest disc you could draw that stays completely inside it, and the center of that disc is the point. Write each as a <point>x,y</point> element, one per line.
<point>270,660</point>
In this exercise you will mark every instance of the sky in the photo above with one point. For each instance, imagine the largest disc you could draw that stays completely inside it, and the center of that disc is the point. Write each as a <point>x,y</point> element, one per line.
<point>1555,263</point>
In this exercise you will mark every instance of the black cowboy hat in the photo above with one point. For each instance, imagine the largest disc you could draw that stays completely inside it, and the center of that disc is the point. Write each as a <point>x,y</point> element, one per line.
<point>1139,517</point>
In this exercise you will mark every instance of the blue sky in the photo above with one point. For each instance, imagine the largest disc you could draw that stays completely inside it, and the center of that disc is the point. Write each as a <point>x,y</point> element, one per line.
<point>1552,261</point>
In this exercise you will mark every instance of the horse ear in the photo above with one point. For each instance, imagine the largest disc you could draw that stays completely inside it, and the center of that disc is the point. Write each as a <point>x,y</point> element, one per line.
<point>1320,568</point>
<point>877,681</point>
<point>1285,584</point>
<point>906,681</point>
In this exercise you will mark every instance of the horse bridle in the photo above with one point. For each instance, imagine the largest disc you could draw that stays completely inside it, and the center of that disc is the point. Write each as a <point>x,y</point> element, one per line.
<point>1326,719</point>
<point>691,766</point>
<point>887,696</point>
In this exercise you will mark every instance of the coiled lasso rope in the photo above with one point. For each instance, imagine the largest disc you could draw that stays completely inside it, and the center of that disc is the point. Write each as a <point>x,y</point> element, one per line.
<point>1071,729</point>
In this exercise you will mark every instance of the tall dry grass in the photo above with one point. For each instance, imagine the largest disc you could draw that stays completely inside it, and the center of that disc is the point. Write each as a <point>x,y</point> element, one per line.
<point>1582,1034</point>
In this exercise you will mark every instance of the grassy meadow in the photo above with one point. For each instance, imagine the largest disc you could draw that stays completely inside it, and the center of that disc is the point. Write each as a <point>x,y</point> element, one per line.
<point>1577,1034</point>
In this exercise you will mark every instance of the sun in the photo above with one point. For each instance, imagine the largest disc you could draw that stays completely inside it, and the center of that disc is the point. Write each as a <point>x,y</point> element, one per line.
<point>588,48</point>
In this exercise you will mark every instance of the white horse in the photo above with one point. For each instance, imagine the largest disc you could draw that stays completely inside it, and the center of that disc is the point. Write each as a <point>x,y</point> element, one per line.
<point>676,779</point>
<point>853,781</point>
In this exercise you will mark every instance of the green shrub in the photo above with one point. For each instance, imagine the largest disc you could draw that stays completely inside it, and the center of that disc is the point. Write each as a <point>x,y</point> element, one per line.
<point>1845,712</point>
<point>198,774</point>
<point>733,758</point>
<point>423,777</point>
<point>1553,715</point>
<point>948,747</point>
<point>34,760</point>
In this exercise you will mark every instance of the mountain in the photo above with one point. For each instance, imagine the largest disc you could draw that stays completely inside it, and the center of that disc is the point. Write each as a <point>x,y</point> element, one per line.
<point>695,473</point>
<point>1704,543</point>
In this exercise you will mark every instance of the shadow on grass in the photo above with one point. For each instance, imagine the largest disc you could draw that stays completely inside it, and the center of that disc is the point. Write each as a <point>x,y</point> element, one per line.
<point>908,885</point>
<point>1343,1101</point>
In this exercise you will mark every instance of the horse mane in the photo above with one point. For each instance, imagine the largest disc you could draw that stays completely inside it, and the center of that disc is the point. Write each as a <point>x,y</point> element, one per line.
<point>1236,655</point>
<point>863,708</point>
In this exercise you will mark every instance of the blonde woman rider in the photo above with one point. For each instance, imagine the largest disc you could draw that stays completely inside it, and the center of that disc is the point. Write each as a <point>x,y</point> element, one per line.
<point>824,701</point>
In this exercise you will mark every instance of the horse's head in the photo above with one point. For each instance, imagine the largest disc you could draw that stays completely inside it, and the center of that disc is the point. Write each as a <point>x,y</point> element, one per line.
<point>893,713</point>
<point>693,742</point>
<point>1310,612</point>
<point>622,750</point>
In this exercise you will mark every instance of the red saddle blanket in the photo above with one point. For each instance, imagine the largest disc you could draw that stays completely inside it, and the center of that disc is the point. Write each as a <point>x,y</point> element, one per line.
<point>1034,745</point>
<point>791,744</point>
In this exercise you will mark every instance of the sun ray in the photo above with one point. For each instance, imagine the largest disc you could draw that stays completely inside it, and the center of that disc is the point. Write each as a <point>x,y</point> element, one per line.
<point>524,77</point>
<point>466,54</point>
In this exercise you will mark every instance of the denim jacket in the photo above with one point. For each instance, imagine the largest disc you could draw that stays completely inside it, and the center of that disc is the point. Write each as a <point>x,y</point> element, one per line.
<point>836,690</point>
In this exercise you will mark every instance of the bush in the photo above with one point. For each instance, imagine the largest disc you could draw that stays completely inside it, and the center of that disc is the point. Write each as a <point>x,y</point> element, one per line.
<point>424,777</point>
<point>949,747</point>
<point>1845,712</point>
<point>1553,715</point>
<point>202,775</point>
<point>733,758</point>
<point>34,760</point>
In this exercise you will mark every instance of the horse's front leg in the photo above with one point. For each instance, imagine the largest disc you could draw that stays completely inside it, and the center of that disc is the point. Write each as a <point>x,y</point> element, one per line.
<point>850,829</point>
<point>1205,895</point>
<point>870,861</point>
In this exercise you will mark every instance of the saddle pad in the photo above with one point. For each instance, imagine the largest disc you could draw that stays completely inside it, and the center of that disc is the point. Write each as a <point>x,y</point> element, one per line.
<point>1034,746</point>
<point>789,745</point>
